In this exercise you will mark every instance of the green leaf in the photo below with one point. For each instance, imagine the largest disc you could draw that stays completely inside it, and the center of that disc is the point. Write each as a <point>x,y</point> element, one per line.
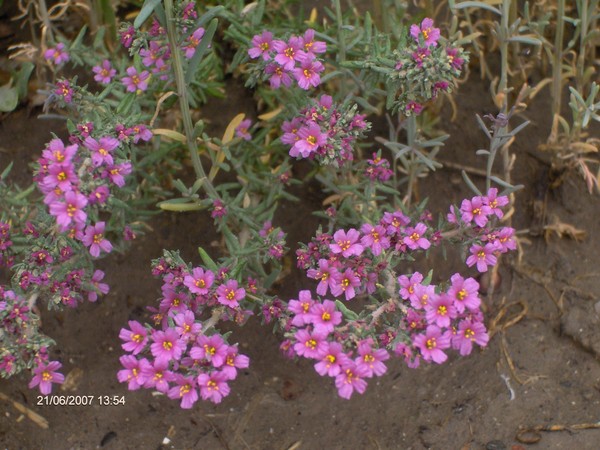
<point>427,280</point>
<point>9,98</point>
<point>145,12</point>
<point>207,260</point>
<point>126,103</point>
<point>482,5</point>
<point>348,314</point>
<point>201,50</point>
<point>22,78</point>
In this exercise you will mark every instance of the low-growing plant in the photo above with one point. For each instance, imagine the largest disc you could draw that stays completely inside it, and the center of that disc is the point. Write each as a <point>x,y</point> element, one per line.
<point>363,301</point>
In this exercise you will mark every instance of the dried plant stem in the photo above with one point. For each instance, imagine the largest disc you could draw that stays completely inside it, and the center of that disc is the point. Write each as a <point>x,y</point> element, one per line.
<point>184,103</point>
<point>557,59</point>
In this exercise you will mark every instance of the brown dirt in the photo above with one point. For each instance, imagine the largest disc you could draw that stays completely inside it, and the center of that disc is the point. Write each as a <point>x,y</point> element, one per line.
<point>542,370</point>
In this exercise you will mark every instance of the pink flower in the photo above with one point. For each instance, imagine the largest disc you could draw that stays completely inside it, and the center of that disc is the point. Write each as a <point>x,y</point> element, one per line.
<point>464,293</point>
<point>185,389</point>
<point>167,345</point>
<point>219,209</point>
<point>64,90</point>
<point>135,338</point>
<point>287,53</point>
<point>374,238</point>
<point>241,130</point>
<point>99,195</point>
<point>332,360</point>
<point>98,287</point>
<point>279,76</point>
<point>95,240</point>
<point>127,36</point>
<point>351,379</point>
<point>69,211</point>
<point>455,62</point>
<point>213,386</point>
<point>310,344</point>
<point>135,81</point>
<point>346,243</point>
<point>495,203</point>
<point>423,296</point>
<point>429,33</point>
<point>347,284</point>
<point>310,46</point>
<point>57,152</point>
<point>505,240</point>
<point>310,139</point>
<point>104,72</point>
<point>439,311</point>
<point>371,359</point>
<point>234,361</point>
<point>407,285</point>
<point>45,375</point>
<point>229,294</point>
<point>157,376</point>
<point>193,42</point>
<point>261,45</point>
<point>482,256</point>
<point>325,316</point>
<point>200,281</point>
<point>413,108</point>
<point>475,210</point>
<point>414,237</point>
<point>61,175</point>
<point>140,133</point>
<point>467,333</point>
<point>102,149</point>
<point>307,74</point>
<point>327,274</point>
<point>211,348</point>
<point>186,325</point>
<point>132,372</point>
<point>432,343</point>
<point>116,173</point>
<point>57,55</point>
<point>301,308</point>
<point>152,55</point>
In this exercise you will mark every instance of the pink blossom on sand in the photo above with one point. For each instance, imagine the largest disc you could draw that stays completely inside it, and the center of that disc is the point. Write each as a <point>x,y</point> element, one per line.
<point>351,379</point>
<point>45,374</point>
<point>213,386</point>
<point>432,344</point>
<point>135,338</point>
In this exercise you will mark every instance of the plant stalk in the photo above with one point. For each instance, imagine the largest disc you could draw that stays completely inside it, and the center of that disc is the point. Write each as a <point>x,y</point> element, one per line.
<point>184,103</point>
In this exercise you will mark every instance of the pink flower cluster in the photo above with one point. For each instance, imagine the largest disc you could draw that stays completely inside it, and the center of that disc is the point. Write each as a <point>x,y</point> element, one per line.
<point>297,58</point>
<point>437,320</point>
<point>273,239</point>
<point>324,131</point>
<point>348,263</point>
<point>186,359</point>
<point>315,334</point>
<point>6,258</point>
<point>81,176</point>
<point>476,214</point>
<point>378,169</point>
<point>22,345</point>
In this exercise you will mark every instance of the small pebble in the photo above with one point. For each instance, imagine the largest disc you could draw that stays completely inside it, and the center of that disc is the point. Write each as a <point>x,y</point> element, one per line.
<point>495,445</point>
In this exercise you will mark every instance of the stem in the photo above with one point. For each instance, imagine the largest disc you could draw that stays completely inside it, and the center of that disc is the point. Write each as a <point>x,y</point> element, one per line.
<point>411,131</point>
<point>583,16</point>
<point>184,104</point>
<point>504,32</point>
<point>557,58</point>
<point>46,19</point>
<point>340,32</point>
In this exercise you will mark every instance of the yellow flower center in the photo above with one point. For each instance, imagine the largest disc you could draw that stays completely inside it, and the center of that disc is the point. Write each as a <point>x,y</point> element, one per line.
<point>98,238</point>
<point>431,343</point>
<point>167,345</point>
